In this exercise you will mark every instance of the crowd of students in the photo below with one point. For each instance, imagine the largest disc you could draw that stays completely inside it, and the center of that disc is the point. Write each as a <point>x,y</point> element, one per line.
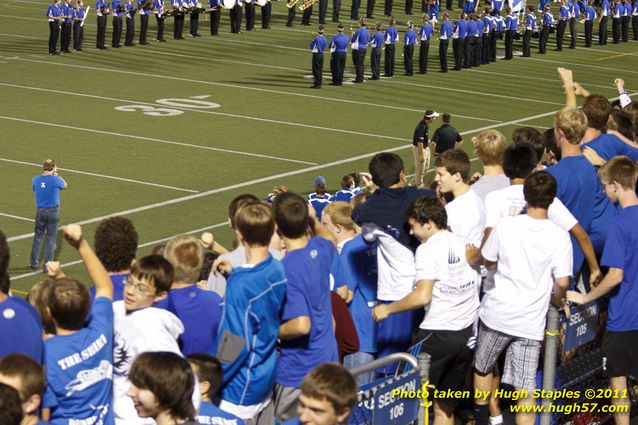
<point>196,333</point>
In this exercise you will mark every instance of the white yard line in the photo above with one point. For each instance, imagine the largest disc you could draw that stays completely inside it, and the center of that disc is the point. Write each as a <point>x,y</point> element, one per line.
<point>104,176</point>
<point>17,217</point>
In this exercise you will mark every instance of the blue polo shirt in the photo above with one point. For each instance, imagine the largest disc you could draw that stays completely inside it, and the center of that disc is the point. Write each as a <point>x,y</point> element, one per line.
<point>339,43</point>
<point>471,29</point>
<point>410,38</point>
<point>609,146</point>
<point>361,37</point>
<point>391,35</point>
<point>446,30</point>
<point>425,33</point>
<point>377,39</point>
<point>318,44</point>
<point>47,190</point>
<point>53,11</point>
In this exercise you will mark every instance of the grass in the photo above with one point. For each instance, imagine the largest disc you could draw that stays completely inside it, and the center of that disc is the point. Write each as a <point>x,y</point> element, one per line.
<point>176,173</point>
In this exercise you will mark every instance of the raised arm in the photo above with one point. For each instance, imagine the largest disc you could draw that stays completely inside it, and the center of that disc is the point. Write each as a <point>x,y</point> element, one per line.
<point>97,272</point>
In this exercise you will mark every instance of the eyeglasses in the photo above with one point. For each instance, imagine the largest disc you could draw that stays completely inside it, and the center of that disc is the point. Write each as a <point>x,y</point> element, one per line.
<point>140,288</point>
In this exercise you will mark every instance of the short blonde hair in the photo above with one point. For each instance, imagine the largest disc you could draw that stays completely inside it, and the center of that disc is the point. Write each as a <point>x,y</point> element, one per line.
<point>572,122</point>
<point>340,213</point>
<point>490,146</point>
<point>186,254</point>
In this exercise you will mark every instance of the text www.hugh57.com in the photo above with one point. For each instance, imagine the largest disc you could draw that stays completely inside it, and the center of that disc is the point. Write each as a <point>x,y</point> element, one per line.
<point>568,409</point>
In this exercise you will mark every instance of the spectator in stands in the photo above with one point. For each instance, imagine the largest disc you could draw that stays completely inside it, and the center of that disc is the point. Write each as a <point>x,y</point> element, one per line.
<point>68,373</point>
<point>10,409</point>
<point>466,213</point>
<point>328,395</point>
<point>307,333</point>
<point>139,327</point>
<point>26,376</point>
<point>449,287</point>
<point>347,189</point>
<point>489,146</point>
<point>237,257</point>
<point>319,198</point>
<point>210,376</point>
<point>20,325</point>
<point>116,245</point>
<point>198,309</point>
<point>533,138</point>
<point>251,318</point>
<point>532,257</point>
<point>162,384</point>
<point>445,137</point>
<point>39,297</point>
<point>337,219</point>
<point>382,218</point>
<point>552,151</point>
<point>621,337</point>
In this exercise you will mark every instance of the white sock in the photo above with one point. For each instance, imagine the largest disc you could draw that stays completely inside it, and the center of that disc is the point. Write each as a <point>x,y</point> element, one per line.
<point>496,420</point>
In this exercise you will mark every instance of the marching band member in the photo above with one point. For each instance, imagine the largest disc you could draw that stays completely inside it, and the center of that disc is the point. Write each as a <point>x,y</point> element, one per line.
<point>266,11</point>
<point>574,13</point>
<point>78,29</point>
<point>130,23</point>
<point>478,39</point>
<point>194,19</point>
<point>338,47</point>
<point>626,17</point>
<point>605,11</point>
<point>249,6</point>
<point>511,22</point>
<point>548,22</point>
<point>144,10</point>
<point>409,40</point>
<point>66,17</point>
<point>53,16</point>
<point>101,10</point>
<point>562,24</point>
<point>215,14</point>
<point>433,12</point>
<point>391,36</point>
<point>488,28</point>
<point>306,15</point>
<point>458,41</point>
<point>158,11</point>
<point>499,26</point>
<point>354,9</point>
<point>468,48</point>
<point>376,42</point>
<point>317,47</point>
<point>236,15</point>
<point>323,10</point>
<point>530,27</point>
<point>292,12</point>
<point>590,17</point>
<point>444,39</point>
<point>359,42</point>
<point>497,5</point>
<point>425,33</point>
<point>178,19</point>
<point>616,21</point>
<point>634,19</point>
<point>117,8</point>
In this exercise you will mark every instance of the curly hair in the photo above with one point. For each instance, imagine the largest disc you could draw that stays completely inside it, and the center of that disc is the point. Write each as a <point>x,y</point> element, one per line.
<point>116,243</point>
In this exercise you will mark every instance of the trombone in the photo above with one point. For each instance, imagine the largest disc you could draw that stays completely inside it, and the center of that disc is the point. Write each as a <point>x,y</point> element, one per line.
<point>291,4</point>
<point>306,4</point>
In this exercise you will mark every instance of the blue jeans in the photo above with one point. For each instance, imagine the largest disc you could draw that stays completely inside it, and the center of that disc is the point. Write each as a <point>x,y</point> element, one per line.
<point>359,359</point>
<point>46,226</point>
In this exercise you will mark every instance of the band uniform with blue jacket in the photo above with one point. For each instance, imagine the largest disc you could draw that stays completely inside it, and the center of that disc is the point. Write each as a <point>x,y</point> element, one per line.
<point>590,17</point>
<point>101,10</point>
<point>144,9</point>
<point>78,30</point>
<point>409,40</point>
<point>130,23</point>
<point>547,23</point>
<point>338,47</point>
<point>53,16</point>
<point>116,9</point>
<point>391,36</point>
<point>425,34</point>
<point>178,19</point>
<point>530,28</point>
<point>444,40</point>
<point>376,44</point>
<point>359,42</point>
<point>511,23</point>
<point>317,47</point>
<point>215,14</point>
<point>66,15</point>
<point>158,11</point>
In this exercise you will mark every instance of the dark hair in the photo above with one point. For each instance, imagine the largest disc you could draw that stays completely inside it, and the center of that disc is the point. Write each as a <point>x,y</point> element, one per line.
<point>208,369</point>
<point>116,243</point>
<point>255,223</point>
<point>385,168</point>
<point>207,265</point>
<point>291,215</point>
<point>519,160</point>
<point>532,137</point>
<point>5,256</point>
<point>446,118</point>
<point>540,190</point>
<point>27,370</point>
<point>427,209</point>
<point>331,382</point>
<point>597,109</point>
<point>237,203</point>
<point>455,161</point>
<point>70,303</point>
<point>48,165</point>
<point>10,406</point>
<point>549,141</point>
<point>155,269</point>
<point>623,122</point>
<point>169,377</point>
<point>357,179</point>
<point>346,181</point>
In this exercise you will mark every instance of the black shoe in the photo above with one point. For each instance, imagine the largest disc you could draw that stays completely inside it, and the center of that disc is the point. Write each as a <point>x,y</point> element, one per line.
<point>407,75</point>
<point>443,70</point>
<point>162,41</point>
<point>290,25</point>
<point>197,35</point>
<point>145,43</point>
<point>315,87</point>
<point>422,72</point>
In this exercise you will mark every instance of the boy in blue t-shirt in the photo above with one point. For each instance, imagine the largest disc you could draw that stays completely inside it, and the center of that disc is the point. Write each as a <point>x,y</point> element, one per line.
<point>307,334</point>
<point>78,359</point>
<point>621,337</point>
<point>250,318</point>
<point>319,198</point>
<point>198,309</point>
<point>210,375</point>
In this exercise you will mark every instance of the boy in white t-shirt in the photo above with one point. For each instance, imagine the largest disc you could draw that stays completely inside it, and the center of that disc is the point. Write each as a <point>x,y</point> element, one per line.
<point>533,257</point>
<point>466,216</point>
<point>449,286</point>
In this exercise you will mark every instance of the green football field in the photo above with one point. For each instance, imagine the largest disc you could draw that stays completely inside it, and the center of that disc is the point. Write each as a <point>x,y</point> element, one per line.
<point>168,134</point>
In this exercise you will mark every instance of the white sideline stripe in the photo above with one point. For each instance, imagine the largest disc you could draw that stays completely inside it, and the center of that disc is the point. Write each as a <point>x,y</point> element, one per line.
<point>570,64</point>
<point>17,217</point>
<point>21,36</point>
<point>274,177</point>
<point>75,262</point>
<point>13,161</point>
<point>213,83</point>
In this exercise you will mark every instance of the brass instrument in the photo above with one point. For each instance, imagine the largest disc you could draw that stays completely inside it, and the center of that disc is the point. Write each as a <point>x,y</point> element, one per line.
<point>291,3</point>
<point>306,4</point>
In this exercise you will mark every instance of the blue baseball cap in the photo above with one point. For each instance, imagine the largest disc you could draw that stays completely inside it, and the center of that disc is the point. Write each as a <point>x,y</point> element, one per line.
<point>320,180</point>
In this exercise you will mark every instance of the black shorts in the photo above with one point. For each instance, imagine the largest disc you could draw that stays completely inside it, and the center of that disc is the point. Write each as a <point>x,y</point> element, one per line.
<point>450,359</point>
<point>619,353</point>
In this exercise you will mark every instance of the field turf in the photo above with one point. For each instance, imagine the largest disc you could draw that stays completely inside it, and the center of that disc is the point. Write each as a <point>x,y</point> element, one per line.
<point>168,134</point>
